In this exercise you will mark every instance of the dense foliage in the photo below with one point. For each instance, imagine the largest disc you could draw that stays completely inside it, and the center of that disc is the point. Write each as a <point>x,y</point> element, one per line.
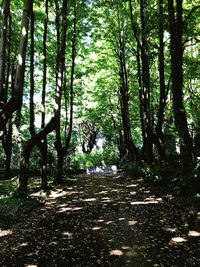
<point>101,82</point>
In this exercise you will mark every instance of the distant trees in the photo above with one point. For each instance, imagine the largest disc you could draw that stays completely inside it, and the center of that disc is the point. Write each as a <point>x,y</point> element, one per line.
<point>125,70</point>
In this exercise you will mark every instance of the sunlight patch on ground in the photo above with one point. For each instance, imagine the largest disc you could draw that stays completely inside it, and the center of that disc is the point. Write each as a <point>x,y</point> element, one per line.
<point>132,185</point>
<point>50,203</point>
<point>96,228</point>
<point>70,209</point>
<point>126,248</point>
<point>5,232</point>
<point>169,229</point>
<point>116,252</point>
<point>109,222</point>
<point>53,194</point>
<point>132,222</point>
<point>133,193</point>
<point>63,209</point>
<point>193,233</point>
<point>39,194</point>
<point>31,265</point>
<point>116,190</point>
<point>144,202</point>
<point>89,199</point>
<point>177,240</point>
<point>153,199</point>
<point>25,244</point>
<point>68,234</point>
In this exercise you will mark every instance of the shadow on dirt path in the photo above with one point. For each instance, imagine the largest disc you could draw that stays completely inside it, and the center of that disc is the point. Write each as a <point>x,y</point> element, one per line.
<point>103,221</point>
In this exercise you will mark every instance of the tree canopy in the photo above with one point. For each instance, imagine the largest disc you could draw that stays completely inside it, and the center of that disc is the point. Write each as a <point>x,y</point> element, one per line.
<point>85,82</point>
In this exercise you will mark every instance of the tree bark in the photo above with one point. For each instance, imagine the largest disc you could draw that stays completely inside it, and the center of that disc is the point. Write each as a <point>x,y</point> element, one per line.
<point>124,101</point>
<point>162,101</point>
<point>5,15</point>
<point>148,146</point>
<point>43,144</point>
<point>35,140</point>
<point>32,82</point>
<point>7,146</point>
<point>143,80</point>
<point>176,51</point>
<point>59,86</point>
<point>15,101</point>
<point>68,139</point>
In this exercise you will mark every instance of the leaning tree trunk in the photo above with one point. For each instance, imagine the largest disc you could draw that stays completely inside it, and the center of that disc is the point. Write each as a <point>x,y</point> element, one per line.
<point>176,50</point>
<point>27,148</point>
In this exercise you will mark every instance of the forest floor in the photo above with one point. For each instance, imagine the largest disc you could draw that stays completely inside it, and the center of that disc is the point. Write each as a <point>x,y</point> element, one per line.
<point>99,220</point>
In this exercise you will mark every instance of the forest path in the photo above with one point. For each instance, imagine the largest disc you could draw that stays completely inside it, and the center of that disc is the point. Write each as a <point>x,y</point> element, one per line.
<point>103,221</point>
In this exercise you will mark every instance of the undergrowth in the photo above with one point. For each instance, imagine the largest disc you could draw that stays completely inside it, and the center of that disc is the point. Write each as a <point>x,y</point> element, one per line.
<point>10,207</point>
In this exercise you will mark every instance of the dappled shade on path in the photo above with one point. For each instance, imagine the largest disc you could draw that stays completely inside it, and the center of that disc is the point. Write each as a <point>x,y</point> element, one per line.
<point>103,221</point>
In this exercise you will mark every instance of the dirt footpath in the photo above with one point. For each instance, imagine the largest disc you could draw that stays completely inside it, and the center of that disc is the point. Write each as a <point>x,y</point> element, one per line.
<point>103,221</point>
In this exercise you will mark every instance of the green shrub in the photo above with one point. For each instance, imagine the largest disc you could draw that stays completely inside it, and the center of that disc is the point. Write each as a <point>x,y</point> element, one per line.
<point>10,207</point>
<point>98,158</point>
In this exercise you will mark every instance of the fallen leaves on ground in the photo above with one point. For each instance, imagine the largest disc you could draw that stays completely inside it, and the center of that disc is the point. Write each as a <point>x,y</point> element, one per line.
<point>103,221</point>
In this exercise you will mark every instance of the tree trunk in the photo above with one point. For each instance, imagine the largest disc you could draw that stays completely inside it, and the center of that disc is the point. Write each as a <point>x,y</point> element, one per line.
<point>143,81</point>
<point>7,146</point>
<point>148,146</point>
<point>124,101</point>
<point>32,82</point>
<point>68,139</point>
<point>160,115</point>
<point>35,140</point>
<point>59,85</point>
<point>5,15</point>
<point>43,144</point>
<point>7,135</point>
<point>15,101</point>
<point>176,50</point>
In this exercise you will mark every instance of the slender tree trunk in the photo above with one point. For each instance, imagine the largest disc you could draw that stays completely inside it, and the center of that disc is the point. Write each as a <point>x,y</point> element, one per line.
<point>15,101</point>
<point>176,50</point>
<point>148,146</point>
<point>141,98</point>
<point>43,144</point>
<point>32,82</point>
<point>35,140</point>
<point>7,135</point>
<point>7,146</point>
<point>5,15</point>
<point>72,80</point>
<point>59,86</point>
<point>124,100</point>
<point>160,115</point>
<point>143,80</point>
<point>24,172</point>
